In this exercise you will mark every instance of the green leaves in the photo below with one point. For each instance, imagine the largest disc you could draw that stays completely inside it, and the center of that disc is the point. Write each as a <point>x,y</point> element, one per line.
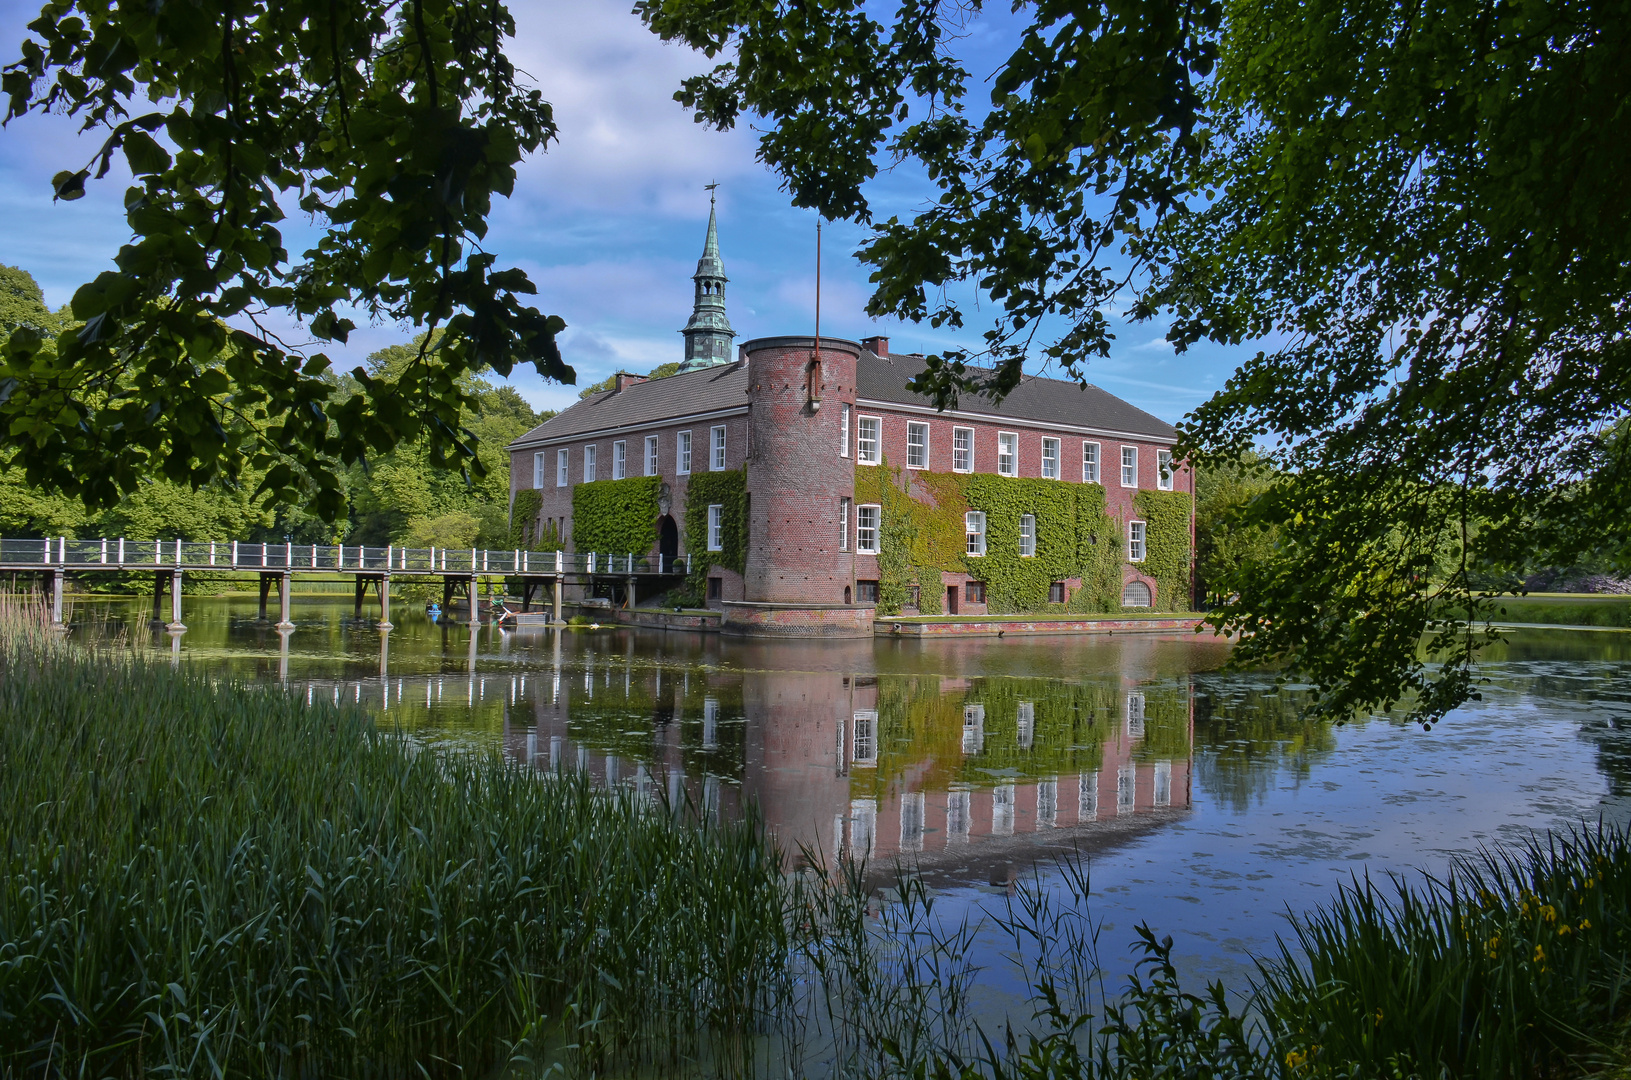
<point>394,128</point>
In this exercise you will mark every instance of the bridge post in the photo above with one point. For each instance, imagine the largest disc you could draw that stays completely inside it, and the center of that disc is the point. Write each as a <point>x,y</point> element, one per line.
<point>361,588</point>
<point>266,587</point>
<point>629,599</point>
<point>475,598</point>
<point>158,597</point>
<point>560,584</point>
<point>384,614</point>
<point>176,625</point>
<point>284,623</point>
<point>56,598</point>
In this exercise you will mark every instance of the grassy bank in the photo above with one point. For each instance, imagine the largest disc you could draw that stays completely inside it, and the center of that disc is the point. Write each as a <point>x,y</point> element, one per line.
<point>210,879</point>
<point>1565,609</point>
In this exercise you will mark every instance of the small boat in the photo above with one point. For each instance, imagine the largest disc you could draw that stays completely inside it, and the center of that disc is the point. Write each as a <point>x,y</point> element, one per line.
<point>434,610</point>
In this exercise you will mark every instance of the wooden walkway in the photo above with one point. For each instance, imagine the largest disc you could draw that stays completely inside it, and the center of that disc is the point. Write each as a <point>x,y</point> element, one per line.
<point>278,563</point>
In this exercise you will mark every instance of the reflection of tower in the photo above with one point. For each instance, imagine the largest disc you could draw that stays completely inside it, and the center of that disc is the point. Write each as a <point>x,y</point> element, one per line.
<point>708,335</point>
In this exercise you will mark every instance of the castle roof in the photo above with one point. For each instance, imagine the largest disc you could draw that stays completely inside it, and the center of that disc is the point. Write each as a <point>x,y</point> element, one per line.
<point>720,391</point>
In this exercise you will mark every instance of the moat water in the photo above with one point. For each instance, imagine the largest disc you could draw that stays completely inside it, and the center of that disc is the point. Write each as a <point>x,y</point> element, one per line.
<point>1204,805</point>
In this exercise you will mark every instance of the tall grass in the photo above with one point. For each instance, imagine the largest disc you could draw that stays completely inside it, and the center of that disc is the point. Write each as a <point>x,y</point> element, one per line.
<point>207,879</point>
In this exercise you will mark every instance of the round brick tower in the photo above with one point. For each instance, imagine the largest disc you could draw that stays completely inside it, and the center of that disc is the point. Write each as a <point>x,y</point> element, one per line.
<point>797,474</point>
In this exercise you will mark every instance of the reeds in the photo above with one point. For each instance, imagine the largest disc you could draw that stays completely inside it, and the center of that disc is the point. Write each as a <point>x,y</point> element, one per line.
<point>207,879</point>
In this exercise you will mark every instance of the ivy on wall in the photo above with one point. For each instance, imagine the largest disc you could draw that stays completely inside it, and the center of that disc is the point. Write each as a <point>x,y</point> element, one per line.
<point>922,535</point>
<point>618,516</point>
<point>729,490</point>
<point>524,510</point>
<point>1166,517</point>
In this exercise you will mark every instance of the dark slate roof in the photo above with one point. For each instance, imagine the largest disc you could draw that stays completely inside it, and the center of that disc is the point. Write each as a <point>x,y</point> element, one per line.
<point>712,389</point>
<point>1049,401</point>
<point>705,390</point>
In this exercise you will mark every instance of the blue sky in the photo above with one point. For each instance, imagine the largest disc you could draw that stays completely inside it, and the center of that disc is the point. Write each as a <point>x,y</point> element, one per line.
<point>610,221</point>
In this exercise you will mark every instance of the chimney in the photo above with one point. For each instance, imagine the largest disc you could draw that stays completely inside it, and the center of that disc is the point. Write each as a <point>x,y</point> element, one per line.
<point>877,346</point>
<point>626,379</point>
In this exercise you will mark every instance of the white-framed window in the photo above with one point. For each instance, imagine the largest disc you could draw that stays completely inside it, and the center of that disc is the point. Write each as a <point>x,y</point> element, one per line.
<point>1129,466</point>
<point>589,463</point>
<point>1163,469</point>
<point>620,459</point>
<point>716,527</point>
<point>866,529</point>
<point>864,747</point>
<point>1025,724</point>
<point>1126,788</point>
<point>843,524</point>
<point>1135,715</point>
<point>1162,795</point>
<point>1090,463</point>
<point>1050,459</point>
<point>561,466</point>
<point>716,459</point>
<point>1027,535</point>
<point>974,528</point>
<point>973,729</point>
<point>962,449</point>
<point>868,438</point>
<point>1007,453</point>
<point>651,455</point>
<point>1135,541</point>
<point>538,470</point>
<point>843,431</point>
<point>917,445</point>
<point>682,453</point>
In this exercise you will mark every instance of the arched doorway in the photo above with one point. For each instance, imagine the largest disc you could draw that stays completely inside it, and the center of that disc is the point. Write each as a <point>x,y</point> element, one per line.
<point>668,539</point>
<point>1135,594</point>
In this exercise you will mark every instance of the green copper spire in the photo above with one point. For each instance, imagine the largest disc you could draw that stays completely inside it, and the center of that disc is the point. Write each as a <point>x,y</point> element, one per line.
<point>708,335</point>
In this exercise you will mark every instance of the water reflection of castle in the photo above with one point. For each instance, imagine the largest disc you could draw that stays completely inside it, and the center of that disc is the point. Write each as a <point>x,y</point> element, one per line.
<point>932,769</point>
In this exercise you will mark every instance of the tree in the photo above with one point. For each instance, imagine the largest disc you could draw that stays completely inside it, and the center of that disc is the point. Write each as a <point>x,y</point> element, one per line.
<point>1418,209</point>
<point>661,371</point>
<point>1226,538</point>
<point>393,125</point>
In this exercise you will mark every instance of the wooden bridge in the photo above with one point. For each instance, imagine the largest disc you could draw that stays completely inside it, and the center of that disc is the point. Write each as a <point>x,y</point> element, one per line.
<point>55,557</point>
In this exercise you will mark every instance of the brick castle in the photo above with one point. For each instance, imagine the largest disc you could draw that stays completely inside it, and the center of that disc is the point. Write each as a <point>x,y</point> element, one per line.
<point>802,421</point>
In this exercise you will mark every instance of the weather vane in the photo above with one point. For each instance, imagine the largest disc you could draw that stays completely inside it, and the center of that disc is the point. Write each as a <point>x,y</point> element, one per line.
<point>709,188</point>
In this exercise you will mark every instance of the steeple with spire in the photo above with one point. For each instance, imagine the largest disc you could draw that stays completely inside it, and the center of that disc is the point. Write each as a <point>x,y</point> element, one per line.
<point>708,335</point>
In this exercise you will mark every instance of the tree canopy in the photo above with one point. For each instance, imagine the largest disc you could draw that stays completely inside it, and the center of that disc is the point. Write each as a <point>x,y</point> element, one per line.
<point>393,126</point>
<point>1417,212</point>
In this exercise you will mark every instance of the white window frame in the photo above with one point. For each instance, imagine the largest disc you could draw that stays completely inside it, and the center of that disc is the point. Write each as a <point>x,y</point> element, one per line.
<point>716,448</point>
<point>1090,462</point>
<point>1027,536</point>
<point>682,453</point>
<point>1050,458</point>
<point>864,738</point>
<point>864,456</point>
<point>563,464</point>
<point>843,430</point>
<point>1129,461</point>
<point>716,526</point>
<point>917,427</point>
<point>620,459</point>
<point>843,523</point>
<point>1163,470</point>
<point>967,451</point>
<point>651,455</point>
<point>862,530</point>
<point>974,533</point>
<point>1137,541</point>
<point>538,470</point>
<point>589,463</point>
<point>1010,441</point>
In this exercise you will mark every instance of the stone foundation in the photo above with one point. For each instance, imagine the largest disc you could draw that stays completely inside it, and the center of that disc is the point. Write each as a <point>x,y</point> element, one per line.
<point>745,618</point>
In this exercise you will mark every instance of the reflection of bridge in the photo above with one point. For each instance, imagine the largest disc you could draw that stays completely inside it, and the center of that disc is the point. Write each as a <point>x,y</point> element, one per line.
<point>279,563</point>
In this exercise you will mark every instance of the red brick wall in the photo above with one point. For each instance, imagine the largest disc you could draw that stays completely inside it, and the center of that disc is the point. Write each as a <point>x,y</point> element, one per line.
<point>796,476</point>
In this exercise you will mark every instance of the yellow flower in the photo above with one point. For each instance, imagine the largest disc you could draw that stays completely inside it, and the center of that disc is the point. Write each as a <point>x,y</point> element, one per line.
<point>1564,929</point>
<point>1295,1059</point>
<point>1378,1017</point>
<point>1540,955</point>
<point>1585,924</point>
<point>1549,913</point>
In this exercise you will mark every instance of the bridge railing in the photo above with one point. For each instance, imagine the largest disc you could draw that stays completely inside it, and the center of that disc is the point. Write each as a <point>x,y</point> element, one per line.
<point>114,554</point>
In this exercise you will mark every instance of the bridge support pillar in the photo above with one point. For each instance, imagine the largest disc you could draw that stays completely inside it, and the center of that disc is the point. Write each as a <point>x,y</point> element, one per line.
<point>384,614</point>
<point>361,590</point>
<point>159,580</point>
<point>560,585</point>
<point>176,625</point>
<point>475,600</point>
<point>284,622</point>
<point>266,587</point>
<point>629,597</point>
<point>56,598</point>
